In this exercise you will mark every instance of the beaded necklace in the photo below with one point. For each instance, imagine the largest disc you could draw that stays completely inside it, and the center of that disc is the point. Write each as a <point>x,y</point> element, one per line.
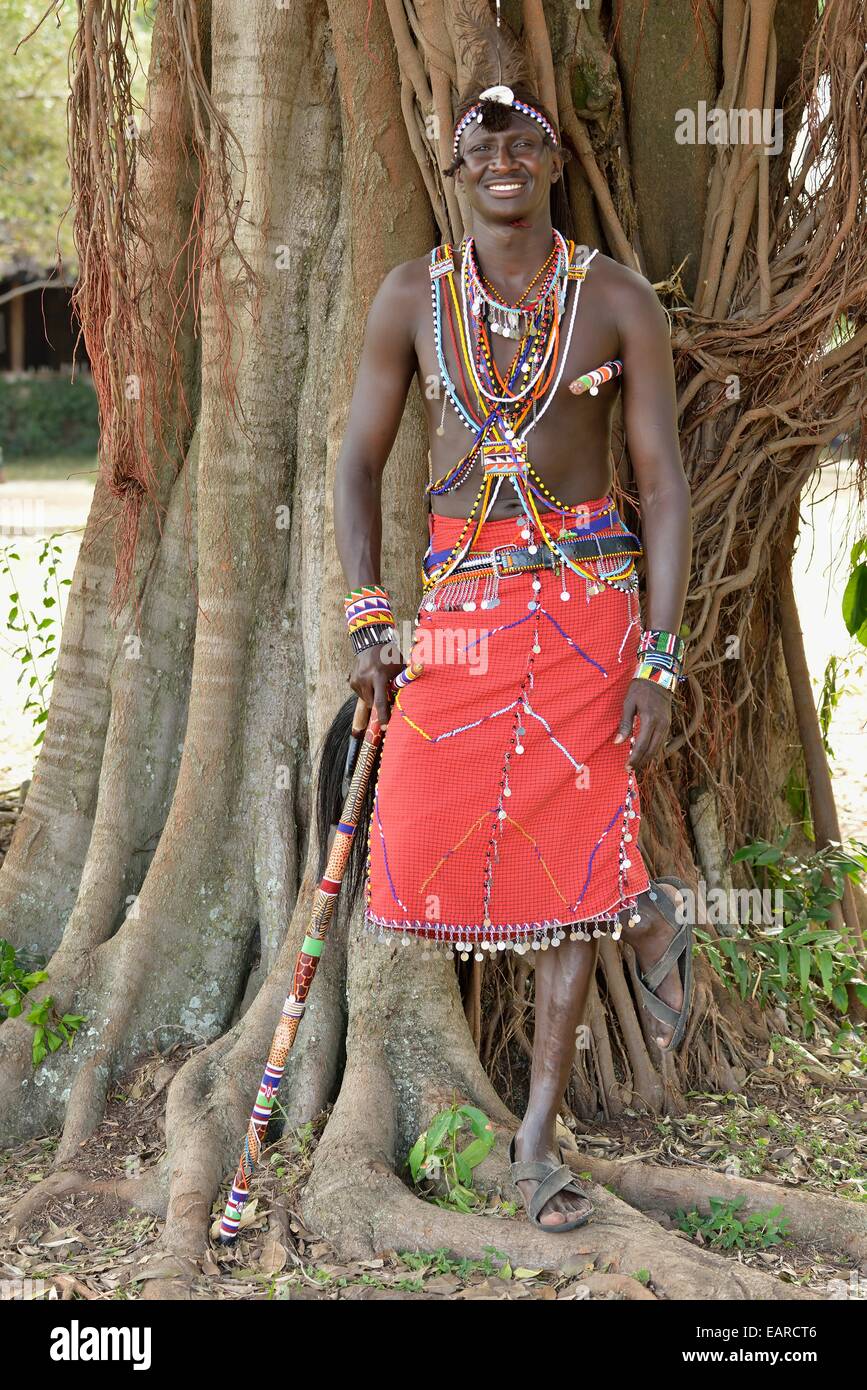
<point>518,319</point>
<point>537,343</point>
<point>497,421</point>
<point>546,269</point>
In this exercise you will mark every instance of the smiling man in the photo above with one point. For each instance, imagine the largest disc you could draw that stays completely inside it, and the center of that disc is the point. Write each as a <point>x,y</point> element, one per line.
<point>506,811</point>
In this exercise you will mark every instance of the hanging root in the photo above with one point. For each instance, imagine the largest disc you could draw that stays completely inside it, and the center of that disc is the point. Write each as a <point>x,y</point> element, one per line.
<point>131,327</point>
<point>761,395</point>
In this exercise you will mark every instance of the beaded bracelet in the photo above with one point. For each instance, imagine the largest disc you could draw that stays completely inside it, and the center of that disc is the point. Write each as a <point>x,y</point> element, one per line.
<point>660,658</point>
<point>369,617</point>
<point>367,637</point>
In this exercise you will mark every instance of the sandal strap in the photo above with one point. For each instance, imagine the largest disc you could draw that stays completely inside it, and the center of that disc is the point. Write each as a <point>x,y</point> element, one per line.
<point>679,951</point>
<point>657,972</point>
<point>530,1171</point>
<point>558,1180</point>
<point>658,1007</point>
<point>665,904</point>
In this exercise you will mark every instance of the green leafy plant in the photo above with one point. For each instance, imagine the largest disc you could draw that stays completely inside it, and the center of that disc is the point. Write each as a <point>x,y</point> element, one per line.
<point>296,1143</point>
<point>724,1229</point>
<point>436,1157</point>
<point>51,1029</point>
<point>41,416</point>
<point>835,684</point>
<point>440,1262</point>
<point>855,593</point>
<point>16,981</point>
<point>799,958</point>
<point>36,649</point>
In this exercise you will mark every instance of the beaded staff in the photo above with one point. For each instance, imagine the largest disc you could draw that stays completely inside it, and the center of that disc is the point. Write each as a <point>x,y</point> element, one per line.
<point>308,959</point>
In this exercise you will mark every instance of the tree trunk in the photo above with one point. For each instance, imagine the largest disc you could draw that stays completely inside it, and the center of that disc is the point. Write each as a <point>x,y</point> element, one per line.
<point>163,861</point>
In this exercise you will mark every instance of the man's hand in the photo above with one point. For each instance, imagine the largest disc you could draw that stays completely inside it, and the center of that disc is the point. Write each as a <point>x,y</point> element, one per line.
<point>371,674</point>
<point>652,703</point>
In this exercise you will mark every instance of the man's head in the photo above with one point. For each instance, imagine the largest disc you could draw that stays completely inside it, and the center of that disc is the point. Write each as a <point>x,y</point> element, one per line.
<point>507,156</point>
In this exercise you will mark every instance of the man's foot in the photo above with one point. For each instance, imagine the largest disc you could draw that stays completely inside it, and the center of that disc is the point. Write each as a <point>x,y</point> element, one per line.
<point>563,1206</point>
<point>649,939</point>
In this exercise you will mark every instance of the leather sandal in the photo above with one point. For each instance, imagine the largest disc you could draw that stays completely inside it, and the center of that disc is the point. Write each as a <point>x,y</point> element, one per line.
<point>679,951</point>
<point>551,1179</point>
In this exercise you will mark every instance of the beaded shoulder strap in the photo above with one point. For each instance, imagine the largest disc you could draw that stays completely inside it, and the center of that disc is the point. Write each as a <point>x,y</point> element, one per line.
<point>442,265</point>
<point>441,261</point>
<point>578,269</point>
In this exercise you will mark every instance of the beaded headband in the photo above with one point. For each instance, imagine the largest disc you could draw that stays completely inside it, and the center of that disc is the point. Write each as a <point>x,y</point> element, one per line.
<point>506,97</point>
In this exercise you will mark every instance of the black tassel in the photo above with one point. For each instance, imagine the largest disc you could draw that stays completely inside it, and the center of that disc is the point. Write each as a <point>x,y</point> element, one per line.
<point>336,759</point>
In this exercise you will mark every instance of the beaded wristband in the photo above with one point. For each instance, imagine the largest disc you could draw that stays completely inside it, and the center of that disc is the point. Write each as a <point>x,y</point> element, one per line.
<point>660,658</point>
<point>667,679</point>
<point>369,617</point>
<point>367,606</point>
<point>377,635</point>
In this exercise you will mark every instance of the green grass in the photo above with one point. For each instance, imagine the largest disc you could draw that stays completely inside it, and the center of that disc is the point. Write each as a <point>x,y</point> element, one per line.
<point>79,468</point>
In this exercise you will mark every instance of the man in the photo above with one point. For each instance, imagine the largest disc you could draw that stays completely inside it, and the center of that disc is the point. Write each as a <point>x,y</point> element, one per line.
<point>506,811</point>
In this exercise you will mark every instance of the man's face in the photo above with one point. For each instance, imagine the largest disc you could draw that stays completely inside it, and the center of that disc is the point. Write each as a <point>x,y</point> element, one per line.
<point>507,174</point>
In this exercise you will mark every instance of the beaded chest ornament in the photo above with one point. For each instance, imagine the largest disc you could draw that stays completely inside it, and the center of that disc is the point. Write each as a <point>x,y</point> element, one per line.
<point>500,410</point>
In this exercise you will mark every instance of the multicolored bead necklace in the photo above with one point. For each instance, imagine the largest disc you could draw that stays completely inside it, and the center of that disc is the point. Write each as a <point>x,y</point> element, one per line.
<point>501,410</point>
<point>511,320</point>
<point>548,268</point>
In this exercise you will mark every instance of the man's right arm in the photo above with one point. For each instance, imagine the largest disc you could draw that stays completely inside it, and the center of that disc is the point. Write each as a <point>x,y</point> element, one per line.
<point>382,382</point>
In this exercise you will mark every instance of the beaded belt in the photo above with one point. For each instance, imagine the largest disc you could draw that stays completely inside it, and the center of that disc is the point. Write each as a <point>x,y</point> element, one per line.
<point>519,560</point>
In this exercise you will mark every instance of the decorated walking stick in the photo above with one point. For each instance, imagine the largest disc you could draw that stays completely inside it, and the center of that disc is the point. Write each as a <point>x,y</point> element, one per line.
<point>363,748</point>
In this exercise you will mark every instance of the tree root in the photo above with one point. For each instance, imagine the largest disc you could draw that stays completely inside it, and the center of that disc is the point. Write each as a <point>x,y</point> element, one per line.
<point>366,1209</point>
<point>209,1101</point>
<point>142,1193</point>
<point>623,1285</point>
<point>357,1201</point>
<point>207,1112</point>
<point>161,975</point>
<point>829,1223</point>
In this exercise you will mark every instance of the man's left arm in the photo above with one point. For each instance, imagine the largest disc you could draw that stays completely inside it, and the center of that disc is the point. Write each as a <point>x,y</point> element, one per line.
<point>650,418</point>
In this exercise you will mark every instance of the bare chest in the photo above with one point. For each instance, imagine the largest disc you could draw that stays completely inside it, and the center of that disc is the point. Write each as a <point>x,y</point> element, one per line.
<point>567,434</point>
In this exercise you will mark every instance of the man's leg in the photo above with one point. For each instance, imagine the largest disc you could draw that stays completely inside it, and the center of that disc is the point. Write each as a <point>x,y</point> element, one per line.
<point>563,976</point>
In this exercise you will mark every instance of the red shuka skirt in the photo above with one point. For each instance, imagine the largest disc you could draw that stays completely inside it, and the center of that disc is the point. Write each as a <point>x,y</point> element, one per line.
<point>504,811</point>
